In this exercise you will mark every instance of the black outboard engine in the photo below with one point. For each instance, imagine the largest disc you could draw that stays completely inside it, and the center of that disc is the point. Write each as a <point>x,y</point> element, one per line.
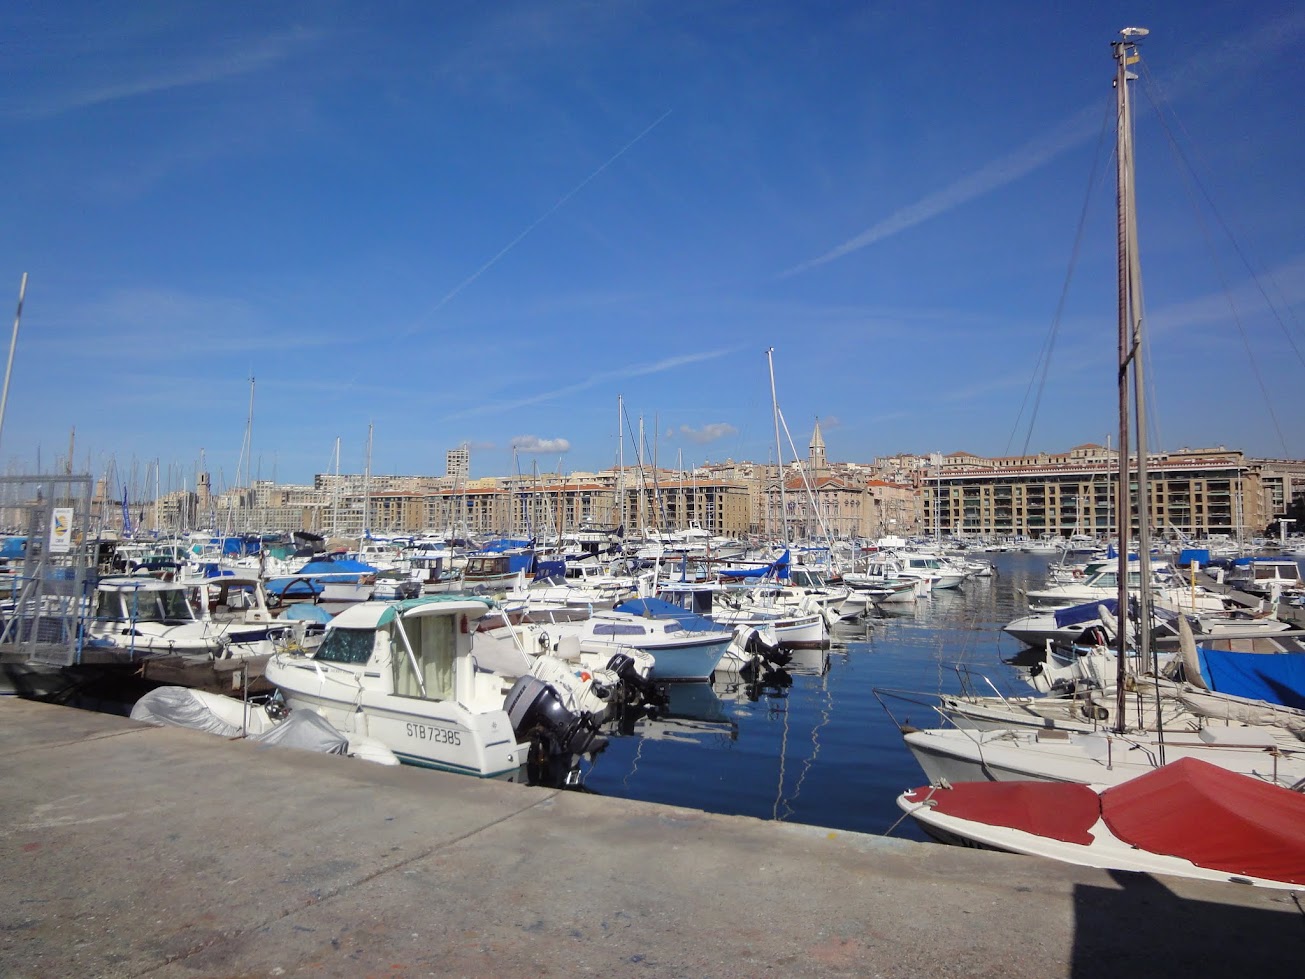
<point>639,689</point>
<point>556,735</point>
<point>773,655</point>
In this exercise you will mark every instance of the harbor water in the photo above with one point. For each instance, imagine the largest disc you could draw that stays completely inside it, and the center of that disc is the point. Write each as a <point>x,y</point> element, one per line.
<point>816,744</point>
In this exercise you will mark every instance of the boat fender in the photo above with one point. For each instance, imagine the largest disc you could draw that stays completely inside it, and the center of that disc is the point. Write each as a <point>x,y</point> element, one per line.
<point>1096,712</point>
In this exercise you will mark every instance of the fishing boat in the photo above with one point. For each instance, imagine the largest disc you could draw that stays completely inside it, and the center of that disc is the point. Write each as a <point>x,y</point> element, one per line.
<point>406,674</point>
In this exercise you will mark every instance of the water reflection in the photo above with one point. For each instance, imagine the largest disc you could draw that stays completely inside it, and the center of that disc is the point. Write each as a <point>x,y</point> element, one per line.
<point>810,743</point>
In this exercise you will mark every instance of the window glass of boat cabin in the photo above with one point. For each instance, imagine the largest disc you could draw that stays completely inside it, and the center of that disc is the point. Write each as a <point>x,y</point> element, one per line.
<point>433,644</point>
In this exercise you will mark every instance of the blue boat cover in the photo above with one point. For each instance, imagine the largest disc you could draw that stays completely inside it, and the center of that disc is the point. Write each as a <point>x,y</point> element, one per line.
<point>336,566</point>
<point>1087,612</point>
<point>659,608</point>
<point>1276,678</point>
<point>293,587</point>
<point>308,612</point>
<point>506,544</point>
<point>550,569</point>
<point>778,567</point>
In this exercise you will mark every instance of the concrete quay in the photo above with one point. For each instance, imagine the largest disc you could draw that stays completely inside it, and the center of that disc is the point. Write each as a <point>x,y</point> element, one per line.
<point>130,850</point>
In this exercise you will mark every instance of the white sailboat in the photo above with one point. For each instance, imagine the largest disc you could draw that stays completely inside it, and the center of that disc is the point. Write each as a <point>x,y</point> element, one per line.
<point>1108,757</point>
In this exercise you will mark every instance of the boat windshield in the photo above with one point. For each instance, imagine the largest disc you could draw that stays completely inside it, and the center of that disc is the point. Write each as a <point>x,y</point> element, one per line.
<point>347,646</point>
<point>144,605</point>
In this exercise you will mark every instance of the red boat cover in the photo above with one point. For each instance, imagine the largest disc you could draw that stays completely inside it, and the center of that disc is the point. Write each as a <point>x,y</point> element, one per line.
<point>1055,810</point>
<point>1215,818</point>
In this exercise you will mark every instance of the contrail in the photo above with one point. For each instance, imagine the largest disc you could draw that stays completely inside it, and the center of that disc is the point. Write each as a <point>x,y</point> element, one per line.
<point>603,377</point>
<point>547,214</point>
<point>1269,38</point>
<point>998,173</point>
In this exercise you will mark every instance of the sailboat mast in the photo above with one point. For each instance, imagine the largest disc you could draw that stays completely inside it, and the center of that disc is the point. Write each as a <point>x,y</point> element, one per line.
<point>249,457</point>
<point>1130,367</point>
<point>620,460</point>
<point>335,497</point>
<point>367,487</point>
<point>13,345</point>
<point>779,452</point>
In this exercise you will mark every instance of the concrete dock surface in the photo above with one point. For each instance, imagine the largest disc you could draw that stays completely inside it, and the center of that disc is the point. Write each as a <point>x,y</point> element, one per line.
<point>138,851</point>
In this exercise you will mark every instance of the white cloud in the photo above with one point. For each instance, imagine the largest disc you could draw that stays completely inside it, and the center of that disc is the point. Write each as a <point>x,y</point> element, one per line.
<point>534,444</point>
<point>708,433</point>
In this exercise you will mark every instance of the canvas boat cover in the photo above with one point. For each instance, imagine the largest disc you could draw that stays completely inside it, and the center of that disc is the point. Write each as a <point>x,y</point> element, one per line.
<point>307,731</point>
<point>179,707</point>
<point>182,707</point>
<point>1213,817</point>
<point>1276,678</point>
<point>1210,816</point>
<point>335,566</point>
<point>779,568</point>
<point>1062,811</point>
<point>1087,612</point>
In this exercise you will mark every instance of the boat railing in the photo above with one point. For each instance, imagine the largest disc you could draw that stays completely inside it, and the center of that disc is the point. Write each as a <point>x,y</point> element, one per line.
<point>919,698</point>
<point>970,680</point>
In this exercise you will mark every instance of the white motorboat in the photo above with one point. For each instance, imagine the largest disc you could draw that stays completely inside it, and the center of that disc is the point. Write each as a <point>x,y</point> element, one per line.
<point>1273,578</point>
<point>792,627</point>
<point>1167,590</point>
<point>678,653</point>
<point>138,616</point>
<point>407,674</point>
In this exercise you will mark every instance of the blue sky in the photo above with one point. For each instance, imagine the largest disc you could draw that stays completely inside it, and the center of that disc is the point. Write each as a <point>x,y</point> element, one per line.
<point>481,223</point>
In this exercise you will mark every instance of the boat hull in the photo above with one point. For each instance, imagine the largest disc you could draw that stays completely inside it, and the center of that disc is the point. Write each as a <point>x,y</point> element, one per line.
<point>440,735</point>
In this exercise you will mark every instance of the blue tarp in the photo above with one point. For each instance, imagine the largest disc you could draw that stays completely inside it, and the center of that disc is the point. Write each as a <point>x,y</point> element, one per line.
<point>499,546</point>
<point>1277,678</point>
<point>308,612</point>
<point>550,569</point>
<point>12,548</point>
<point>307,584</point>
<point>659,608</point>
<point>336,566</point>
<point>1084,613</point>
<point>778,567</point>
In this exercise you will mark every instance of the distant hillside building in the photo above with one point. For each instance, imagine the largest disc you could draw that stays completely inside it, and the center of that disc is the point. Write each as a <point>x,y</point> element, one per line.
<point>457,462</point>
<point>1193,492</point>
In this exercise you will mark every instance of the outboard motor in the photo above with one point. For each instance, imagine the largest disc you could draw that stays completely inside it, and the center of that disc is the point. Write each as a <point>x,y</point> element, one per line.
<point>538,714</point>
<point>772,654</point>
<point>639,688</point>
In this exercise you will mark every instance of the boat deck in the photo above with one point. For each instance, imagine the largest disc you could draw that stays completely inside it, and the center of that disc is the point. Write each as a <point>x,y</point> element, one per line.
<point>133,850</point>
